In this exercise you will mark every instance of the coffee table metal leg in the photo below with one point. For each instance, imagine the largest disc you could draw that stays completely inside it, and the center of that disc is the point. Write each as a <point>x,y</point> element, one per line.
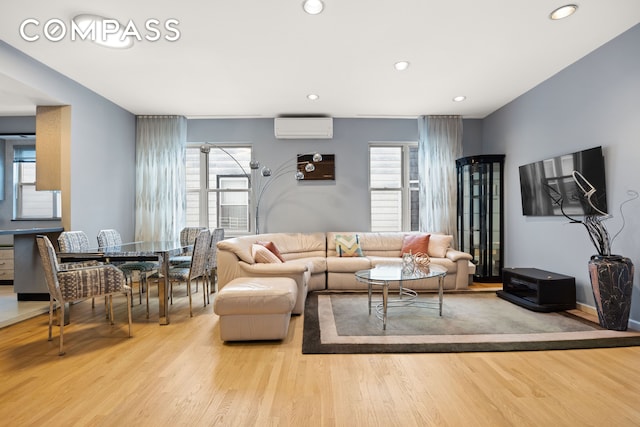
<point>385,296</point>
<point>440,291</point>
<point>369,287</point>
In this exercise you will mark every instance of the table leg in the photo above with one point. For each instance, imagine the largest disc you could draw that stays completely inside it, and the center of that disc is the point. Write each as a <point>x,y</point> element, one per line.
<point>385,296</point>
<point>163,291</point>
<point>370,286</point>
<point>440,291</point>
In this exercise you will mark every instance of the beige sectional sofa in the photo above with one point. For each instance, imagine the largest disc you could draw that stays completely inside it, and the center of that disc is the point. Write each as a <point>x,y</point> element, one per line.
<point>312,261</point>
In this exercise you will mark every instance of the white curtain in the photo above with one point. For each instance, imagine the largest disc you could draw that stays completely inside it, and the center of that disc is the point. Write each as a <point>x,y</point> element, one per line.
<point>440,144</point>
<point>160,177</point>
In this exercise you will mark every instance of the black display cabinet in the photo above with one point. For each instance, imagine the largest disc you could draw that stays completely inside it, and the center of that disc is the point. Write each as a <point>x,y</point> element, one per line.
<point>480,213</point>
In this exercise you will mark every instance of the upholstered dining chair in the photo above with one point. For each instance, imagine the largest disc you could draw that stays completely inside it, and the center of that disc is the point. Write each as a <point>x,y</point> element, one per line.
<point>112,238</point>
<point>75,284</point>
<point>196,270</point>
<point>73,241</point>
<point>76,241</point>
<point>187,238</point>
<point>212,259</point>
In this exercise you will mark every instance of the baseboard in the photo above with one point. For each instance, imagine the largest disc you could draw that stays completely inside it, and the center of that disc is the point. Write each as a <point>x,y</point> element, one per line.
<point>586,308</point>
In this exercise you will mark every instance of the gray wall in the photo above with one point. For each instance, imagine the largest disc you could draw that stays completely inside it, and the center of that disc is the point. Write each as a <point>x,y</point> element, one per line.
<point>102,147</point>
<point>595,101</point>
<point>289,205</point>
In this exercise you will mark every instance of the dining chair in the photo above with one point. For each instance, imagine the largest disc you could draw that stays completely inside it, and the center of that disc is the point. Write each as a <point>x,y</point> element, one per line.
<point>112,238</point>
<point>74,284</point>
<point>187,238</point>
<point>76,241</point>
<point>196,270</point>
<point>212,260</point>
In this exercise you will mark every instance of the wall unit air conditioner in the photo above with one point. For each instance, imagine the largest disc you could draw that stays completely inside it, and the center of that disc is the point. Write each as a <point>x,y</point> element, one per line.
<point>303,127</point>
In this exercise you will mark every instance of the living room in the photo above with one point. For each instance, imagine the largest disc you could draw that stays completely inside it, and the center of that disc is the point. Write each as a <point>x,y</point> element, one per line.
<point>591,102</point>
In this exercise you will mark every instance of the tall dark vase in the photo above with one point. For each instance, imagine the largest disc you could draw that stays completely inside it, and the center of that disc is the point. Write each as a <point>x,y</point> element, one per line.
<point>612,283</point>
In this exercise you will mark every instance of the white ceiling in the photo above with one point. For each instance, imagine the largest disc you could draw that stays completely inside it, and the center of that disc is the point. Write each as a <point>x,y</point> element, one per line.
<point>260,58</point>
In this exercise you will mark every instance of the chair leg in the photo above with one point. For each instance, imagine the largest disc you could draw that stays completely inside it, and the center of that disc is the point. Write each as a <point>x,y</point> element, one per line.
<point>50,316</point>
<point>148,301</point>
<point>111,306</point>
<point>129,312</point>
<point>142,282</point>
<point>205,289</point>
<point>61,322</point>
<point>189,292</point>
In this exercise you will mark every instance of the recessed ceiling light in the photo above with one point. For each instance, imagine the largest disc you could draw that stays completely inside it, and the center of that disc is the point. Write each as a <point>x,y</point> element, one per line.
<point>401,65</point>
<point>563,11</point>
<point>313,97</point>
<point>101,36</point>
<point>313,7</point>
<point>459,98</point>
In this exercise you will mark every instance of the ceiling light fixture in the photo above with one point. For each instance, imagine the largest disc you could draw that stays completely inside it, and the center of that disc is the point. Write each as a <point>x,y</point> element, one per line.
<point>401,65</point>
<point>103,34</point>
<point>313,97</point>
<point>313,7</point>
<point>563,12</point>
<point>459,98</point>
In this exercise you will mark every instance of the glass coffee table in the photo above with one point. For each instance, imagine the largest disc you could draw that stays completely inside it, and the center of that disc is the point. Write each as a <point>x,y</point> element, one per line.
<point>384,275</point>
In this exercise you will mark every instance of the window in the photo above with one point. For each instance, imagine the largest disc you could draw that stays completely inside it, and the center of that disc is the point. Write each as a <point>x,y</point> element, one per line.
<point>29,203</point>
<point>393,186</point>
<point>218,187</point>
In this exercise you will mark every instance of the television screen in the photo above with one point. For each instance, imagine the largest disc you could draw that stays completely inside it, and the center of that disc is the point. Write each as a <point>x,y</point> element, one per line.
<point>545,183</point>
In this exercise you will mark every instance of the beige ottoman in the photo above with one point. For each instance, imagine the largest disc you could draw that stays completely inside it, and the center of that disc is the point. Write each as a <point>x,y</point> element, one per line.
<point>255,308</point>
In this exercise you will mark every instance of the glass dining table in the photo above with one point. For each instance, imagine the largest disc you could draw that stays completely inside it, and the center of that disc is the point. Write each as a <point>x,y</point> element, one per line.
<point>137,251</point>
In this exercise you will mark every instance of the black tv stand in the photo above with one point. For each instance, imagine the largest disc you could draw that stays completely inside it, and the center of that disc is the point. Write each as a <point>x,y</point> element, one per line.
<point>538,290</point>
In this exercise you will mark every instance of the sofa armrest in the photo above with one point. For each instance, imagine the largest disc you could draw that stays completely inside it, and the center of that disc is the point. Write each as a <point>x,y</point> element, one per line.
<point>456,255</point>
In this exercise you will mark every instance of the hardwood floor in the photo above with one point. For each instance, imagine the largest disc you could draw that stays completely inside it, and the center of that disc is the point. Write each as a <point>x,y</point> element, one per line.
<point>182,375</point>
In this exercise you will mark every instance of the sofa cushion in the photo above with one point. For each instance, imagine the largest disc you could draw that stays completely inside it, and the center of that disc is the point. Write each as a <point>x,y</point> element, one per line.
<point>262,254</point>
<point>438,245</point>
<point>347,264</point>
<point>272,247</point>
<point>415,244</point>
<point>384,260</point>
<point>348,245</point>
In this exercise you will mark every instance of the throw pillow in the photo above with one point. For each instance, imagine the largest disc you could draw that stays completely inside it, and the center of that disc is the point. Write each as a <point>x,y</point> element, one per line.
<point>438,245</point>
<point>415,244</point>
<point>264,255</point>
<point>348,245</point>
<point>273,248</point>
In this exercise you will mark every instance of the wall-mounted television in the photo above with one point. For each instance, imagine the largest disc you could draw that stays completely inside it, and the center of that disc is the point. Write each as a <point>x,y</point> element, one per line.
<point>545,182</point>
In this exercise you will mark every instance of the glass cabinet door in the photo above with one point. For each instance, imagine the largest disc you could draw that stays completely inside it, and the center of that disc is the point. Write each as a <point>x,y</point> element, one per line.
<point>480,214</point>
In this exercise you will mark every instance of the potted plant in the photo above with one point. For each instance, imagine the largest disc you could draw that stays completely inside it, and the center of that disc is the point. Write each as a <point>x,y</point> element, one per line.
<point>611,275</point>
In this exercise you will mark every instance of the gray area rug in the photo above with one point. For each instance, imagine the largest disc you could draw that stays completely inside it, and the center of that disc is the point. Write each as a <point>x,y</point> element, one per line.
<point>478,321</point>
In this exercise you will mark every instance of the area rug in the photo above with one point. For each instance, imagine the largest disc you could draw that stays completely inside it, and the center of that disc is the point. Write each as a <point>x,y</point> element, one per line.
<point>471,322</point>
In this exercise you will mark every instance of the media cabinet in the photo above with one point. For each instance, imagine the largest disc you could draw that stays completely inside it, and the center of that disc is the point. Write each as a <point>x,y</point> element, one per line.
<point>538,290</point>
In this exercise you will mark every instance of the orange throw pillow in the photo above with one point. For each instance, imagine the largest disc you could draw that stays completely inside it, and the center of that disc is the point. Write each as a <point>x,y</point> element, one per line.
<point>415,243</point>
<point>272,247</point>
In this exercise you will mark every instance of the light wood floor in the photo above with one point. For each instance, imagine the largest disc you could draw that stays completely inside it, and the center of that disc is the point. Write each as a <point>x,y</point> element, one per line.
<point>182,375</point>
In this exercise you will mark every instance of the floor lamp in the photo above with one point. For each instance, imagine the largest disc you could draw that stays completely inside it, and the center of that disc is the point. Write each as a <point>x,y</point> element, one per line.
<point>262,178</point>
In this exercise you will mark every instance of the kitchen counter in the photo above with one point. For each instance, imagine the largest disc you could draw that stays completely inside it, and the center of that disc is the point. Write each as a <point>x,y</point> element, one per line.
<point>33,231</point>
<point>28,276</point>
